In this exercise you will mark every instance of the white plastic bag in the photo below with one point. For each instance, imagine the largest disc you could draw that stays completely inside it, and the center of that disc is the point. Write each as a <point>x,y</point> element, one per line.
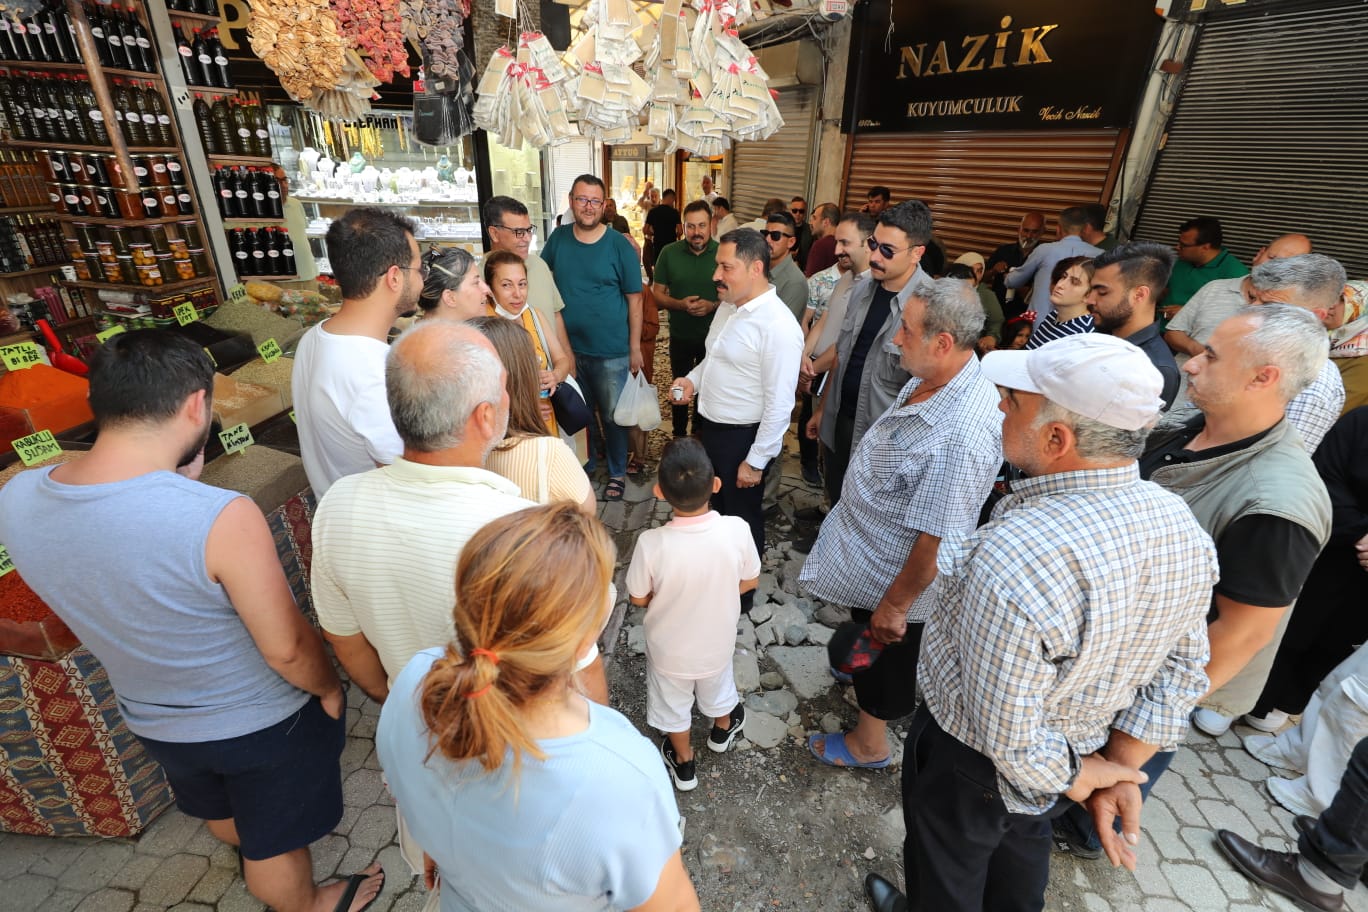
<point>628,405</point>
<point>648,406</point>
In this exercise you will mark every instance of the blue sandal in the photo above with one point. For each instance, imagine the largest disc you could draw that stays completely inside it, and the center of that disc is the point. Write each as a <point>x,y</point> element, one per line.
<point>835,753</point>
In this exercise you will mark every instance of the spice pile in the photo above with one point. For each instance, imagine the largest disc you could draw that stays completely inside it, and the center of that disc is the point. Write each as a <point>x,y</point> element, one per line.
<point>258,322</point>
<point>28,628</point>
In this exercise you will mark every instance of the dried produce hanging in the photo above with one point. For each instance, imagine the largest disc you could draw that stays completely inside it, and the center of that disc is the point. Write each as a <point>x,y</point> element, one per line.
<point>351,97</point>
<point>435,26</point>
<point>299,40</point>
<point>374,29</point>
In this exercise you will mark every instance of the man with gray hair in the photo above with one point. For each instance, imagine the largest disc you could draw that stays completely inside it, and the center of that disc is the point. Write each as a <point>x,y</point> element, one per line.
<point>919,476</point>
<point>1067,640</point>
<point>1316,283</point>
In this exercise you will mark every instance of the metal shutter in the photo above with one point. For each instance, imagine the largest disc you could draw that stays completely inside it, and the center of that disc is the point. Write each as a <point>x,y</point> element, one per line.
<point>979,184</point>
<point>779,166</point>
<point>1270,135</point>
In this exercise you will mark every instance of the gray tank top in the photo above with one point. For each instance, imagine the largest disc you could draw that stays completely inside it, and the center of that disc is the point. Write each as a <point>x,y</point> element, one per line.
<point>123,565</point>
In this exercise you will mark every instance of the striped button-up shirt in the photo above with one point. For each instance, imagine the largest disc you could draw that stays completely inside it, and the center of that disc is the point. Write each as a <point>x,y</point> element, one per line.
<point>921,468</point>
<point>1080,608</point>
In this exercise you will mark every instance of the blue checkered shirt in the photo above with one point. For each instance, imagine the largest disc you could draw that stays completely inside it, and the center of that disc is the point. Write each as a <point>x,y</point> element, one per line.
<point>1080,608</point>
<point>926,467</point>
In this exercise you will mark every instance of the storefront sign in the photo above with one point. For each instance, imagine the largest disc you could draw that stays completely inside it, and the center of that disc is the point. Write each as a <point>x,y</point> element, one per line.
<point>236,439</point>
<point>20,356</point>
<point>997,64</point>
<point>35,448</point>
<point>269,351</point>
<point>107,334</point>
<point>185,313</point>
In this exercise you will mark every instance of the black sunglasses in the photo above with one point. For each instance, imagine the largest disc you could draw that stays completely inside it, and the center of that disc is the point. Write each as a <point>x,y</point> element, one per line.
<point>776,235</point>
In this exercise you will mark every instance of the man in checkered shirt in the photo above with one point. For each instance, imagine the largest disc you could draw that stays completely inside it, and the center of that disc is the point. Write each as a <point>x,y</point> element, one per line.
<point>1068,644</point>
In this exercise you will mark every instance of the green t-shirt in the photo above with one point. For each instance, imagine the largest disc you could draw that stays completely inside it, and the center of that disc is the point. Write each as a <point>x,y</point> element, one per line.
<point>1187,279</point>
<point>685,273</point>
<point>594,279</point>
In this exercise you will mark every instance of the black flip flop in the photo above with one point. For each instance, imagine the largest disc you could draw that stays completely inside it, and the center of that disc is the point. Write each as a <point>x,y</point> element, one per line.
<point>353,884</point>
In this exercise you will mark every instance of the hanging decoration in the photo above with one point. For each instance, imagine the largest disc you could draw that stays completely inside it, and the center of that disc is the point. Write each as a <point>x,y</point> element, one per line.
<point>373,29</point>
<point>523,97</point>
<point>435,26</point>
<point>300,41</point>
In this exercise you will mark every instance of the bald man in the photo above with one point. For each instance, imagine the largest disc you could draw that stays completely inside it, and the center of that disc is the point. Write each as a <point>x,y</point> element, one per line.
<point>1010,256</point>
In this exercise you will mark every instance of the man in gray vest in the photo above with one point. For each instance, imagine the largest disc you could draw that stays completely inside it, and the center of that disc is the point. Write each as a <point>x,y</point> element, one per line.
<point>216,671</point>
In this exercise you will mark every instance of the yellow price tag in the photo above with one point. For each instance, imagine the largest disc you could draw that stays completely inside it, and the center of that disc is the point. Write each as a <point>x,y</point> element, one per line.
<point>110,333</point>
<point>237,294</point>
<point>269,351</point>
<point>292,417</point>
<point>34,448</point>
<point>185,313</point>
<point>6,565</point>
<point>236,439</point>
<point>20,356</point>
<point>212,359</point>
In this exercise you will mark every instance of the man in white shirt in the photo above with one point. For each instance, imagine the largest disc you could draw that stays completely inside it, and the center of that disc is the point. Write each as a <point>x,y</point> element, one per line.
<point>339,369</point>
<point>745,383</point>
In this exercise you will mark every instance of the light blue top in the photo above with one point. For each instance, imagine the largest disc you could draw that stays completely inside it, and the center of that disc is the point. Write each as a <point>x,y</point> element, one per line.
<point>1039,266</point>
<point>123,565</point>
<point>588,828</point>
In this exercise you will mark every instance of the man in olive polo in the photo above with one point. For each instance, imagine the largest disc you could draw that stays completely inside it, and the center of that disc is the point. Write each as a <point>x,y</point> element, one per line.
<point>684,286</point>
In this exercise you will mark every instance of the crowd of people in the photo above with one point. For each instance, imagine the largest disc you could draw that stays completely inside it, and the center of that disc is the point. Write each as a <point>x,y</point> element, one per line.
<point>1073,491</point>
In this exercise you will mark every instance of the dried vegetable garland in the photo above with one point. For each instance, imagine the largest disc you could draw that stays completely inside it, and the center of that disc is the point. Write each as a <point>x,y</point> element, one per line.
<point>373,29</point>
<point>300,42</point>
<point>436,27</point>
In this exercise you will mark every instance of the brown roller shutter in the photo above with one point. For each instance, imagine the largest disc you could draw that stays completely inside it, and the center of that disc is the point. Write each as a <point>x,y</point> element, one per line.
<point>978,185</point>
<point>778,166</point>
<point>1270,134</point>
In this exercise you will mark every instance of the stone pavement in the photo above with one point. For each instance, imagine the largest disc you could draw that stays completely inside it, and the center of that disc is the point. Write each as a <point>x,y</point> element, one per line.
<point>177,865</point>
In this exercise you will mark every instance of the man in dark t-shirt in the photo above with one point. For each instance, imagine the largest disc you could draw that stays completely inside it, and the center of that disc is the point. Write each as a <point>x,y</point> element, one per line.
<point>663,226</point>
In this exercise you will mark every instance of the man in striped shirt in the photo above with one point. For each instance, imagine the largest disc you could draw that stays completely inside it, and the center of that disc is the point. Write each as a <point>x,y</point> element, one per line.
<point>1068,643</point>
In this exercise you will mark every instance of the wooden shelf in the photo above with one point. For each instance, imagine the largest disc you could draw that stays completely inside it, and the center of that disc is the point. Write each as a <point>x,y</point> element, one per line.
<point>41,270</point>
<point>268,278</point>
<point>193,17</point>
<point>44,208</point>
<point>75,68</point>
<point>82,148</point>
<point>122,222</point>
<point>239,222</point>
<point>210,90</point>
<point>164,288</point>
<point>242,160</point>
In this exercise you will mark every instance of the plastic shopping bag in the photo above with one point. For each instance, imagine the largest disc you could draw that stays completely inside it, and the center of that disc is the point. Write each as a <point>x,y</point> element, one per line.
<point>629,400</point>
<point>648,406</point>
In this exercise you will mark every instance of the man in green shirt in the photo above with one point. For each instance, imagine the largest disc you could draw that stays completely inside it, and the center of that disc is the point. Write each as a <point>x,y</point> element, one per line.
<point>684,286</point>
<point>1201,258</point>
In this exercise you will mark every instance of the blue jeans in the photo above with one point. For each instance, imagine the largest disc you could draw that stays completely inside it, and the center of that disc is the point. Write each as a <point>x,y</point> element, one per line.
<point>602,380</point>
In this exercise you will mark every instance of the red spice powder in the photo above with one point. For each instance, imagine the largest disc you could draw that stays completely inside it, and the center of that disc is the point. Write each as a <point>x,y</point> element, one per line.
<point>20,603</point>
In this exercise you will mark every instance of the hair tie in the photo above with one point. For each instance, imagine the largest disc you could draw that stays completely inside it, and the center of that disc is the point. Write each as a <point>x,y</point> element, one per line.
<point>475,694</point>
<point>487,653</point>
<point>1028,315</point>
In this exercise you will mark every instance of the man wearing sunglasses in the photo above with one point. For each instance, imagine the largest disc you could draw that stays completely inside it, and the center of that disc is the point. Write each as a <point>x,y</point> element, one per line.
<point>509,226</point>
<point>781,234</point>
<point>798,208</point>
<point>867,373</point>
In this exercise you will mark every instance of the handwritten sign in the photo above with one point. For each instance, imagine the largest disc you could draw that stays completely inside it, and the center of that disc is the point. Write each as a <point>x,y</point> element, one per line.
<point>21,356</point>
<point>35,448</point>
<point>6,565</point>
<point>185,313</point>
<point>237,294</point>
<point>236,439</point>
<point>269,351</point>
<point>107,334</point>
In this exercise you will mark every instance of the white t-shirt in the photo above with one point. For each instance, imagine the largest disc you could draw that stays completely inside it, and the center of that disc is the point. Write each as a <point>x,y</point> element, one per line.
<point>694,565</point>
<point>340,406</point>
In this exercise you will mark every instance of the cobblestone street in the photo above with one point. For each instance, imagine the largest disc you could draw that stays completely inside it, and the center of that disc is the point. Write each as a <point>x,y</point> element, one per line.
<point>769,828</point>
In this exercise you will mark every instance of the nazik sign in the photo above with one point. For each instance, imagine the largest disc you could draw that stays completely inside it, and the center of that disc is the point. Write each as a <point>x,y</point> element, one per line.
<point>236,438</point>
<point>35,448</point>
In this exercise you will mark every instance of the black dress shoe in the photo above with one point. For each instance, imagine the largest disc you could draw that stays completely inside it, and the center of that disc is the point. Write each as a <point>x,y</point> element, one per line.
<point>883,896</point>
<point>1277,871</point>
<point>1304,824</point>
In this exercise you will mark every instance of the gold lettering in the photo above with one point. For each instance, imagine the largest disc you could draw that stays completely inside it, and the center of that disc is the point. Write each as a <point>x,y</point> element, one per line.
<point>941,58</point>
<point>1199,5</point>
<point>911,59</point>
<point>978,41</point>
<point>1000,47</point>
<point>236,14</point>
<point>1031,46</point>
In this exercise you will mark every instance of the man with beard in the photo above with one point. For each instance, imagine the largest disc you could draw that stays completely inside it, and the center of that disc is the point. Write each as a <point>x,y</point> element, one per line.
<point>215,670</point>
<point>745,383</point>
<point>684,286</point>
<point>339,367</point>
<point>1127,283</point>
<point>1010,256</point>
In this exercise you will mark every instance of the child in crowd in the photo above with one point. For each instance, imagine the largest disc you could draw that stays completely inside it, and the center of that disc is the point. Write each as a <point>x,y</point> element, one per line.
<point>1017,332</point>
<point>691,573</point>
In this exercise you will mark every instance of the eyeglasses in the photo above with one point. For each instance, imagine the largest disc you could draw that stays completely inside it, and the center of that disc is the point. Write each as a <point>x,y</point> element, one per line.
<point>422,269</point>
<point>587,202</point>
<point>518,233</point>
<point>798,211</point>
<point>776,235</point>
<point>887,251</point>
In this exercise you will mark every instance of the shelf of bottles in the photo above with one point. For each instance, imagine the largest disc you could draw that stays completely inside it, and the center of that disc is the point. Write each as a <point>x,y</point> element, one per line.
<point>30,240</point>
<point>79,85</point>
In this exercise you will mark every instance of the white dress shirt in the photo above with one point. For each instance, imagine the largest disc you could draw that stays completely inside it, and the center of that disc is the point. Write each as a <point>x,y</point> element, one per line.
<point>750,372</point>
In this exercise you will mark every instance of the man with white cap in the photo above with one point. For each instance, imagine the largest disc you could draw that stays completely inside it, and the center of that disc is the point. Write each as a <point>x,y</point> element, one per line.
<point>1068,643</point>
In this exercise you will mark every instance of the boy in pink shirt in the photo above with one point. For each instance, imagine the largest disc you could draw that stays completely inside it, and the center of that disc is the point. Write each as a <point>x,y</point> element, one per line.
<point>691,573</point>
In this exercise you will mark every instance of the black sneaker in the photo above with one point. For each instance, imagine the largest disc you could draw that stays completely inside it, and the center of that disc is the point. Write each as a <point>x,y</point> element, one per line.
<point>719,739</point>
<point>682,773</point>
<point>1068,840</point>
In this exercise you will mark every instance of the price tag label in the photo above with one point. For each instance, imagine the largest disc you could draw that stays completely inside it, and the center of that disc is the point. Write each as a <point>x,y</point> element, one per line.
<point>293,418</point>
<point>106,335</point>
<point>21,356</point>
<point>6,565</point>
<point>185,313</point>
<point>34,448</point>
<point>236,439</point>
<point>237,294</point>
<point>269,351</point>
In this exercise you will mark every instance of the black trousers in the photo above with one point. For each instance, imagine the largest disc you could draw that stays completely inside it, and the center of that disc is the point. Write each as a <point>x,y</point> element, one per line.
<point>1338,843</point>
<point>887,689</point>
<point>808,450</point>
<point>835,461</point>
<point>684,357</point>
<point>965,852</point>
<point>727,446</point>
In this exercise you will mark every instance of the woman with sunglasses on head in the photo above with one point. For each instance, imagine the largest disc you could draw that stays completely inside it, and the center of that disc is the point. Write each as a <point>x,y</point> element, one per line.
<point>538,462</point>
<point>453,288</point>
<point>525,794</point>
<point>505,275</point>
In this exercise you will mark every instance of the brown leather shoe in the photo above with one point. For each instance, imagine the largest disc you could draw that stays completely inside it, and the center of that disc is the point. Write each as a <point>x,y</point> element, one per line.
<point>1277,871</point>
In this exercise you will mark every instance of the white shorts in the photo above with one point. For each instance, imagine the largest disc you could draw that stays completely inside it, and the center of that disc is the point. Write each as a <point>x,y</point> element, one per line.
<point>669,700</point>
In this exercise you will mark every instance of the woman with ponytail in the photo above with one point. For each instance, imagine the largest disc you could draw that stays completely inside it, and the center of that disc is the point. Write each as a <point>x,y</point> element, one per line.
<point>525,794</point>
